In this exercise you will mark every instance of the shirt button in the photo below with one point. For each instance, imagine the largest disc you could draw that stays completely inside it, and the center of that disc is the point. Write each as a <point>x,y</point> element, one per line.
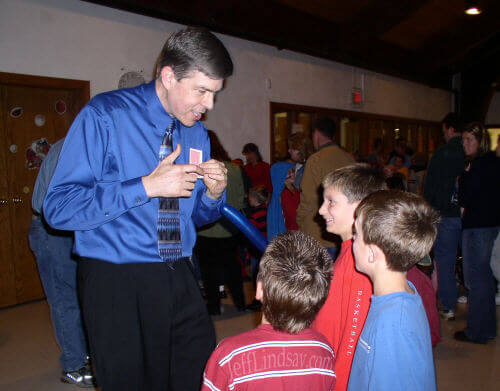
<point>106,214</point>
<point>138,200</point>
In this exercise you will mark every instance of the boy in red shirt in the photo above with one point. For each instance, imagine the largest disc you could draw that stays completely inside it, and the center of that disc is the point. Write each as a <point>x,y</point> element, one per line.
<point>342,317</point>
<point>283,353</point>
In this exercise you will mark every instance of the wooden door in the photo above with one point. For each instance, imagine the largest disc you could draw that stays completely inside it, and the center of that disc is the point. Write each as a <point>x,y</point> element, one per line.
<point>7,271</point>
<point>34,116</point>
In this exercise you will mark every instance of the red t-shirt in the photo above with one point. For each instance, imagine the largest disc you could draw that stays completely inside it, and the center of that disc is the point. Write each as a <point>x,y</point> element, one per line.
<point>268,360</point>
<point>290,201</point>
<point>343,315</point>
<point>260,175</point>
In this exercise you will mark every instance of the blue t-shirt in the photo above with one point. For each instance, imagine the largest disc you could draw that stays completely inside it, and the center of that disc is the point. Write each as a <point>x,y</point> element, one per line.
<point>394,350</point>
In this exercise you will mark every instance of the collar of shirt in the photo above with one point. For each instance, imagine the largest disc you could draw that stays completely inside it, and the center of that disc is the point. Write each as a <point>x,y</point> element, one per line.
<point>157,112</point>
<point>326,145</point>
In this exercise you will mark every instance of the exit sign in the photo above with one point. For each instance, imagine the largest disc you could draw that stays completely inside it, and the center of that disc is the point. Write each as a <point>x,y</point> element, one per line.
<point>357,97</point>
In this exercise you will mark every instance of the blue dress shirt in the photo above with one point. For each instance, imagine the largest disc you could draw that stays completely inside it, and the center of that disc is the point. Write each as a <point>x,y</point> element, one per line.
<point>97,188</point>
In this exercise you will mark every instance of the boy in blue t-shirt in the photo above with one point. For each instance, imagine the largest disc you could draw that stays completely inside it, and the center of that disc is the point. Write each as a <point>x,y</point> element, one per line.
<point>393,230</point>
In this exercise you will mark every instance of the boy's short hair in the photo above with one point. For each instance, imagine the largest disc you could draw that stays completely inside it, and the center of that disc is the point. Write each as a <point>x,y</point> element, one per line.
<point>355,181</point>
<point>260,193</point>
<point>401,224</point>
<point>295,272</point>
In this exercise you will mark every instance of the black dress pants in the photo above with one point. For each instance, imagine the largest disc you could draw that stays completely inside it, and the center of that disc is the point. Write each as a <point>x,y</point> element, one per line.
<point>147,324</point>
<point>219,265</point>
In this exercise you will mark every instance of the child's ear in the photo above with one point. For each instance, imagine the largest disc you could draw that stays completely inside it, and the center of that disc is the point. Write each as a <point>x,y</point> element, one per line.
<point>375,253</point>
<point>259,293</point>
<point>355,206</point>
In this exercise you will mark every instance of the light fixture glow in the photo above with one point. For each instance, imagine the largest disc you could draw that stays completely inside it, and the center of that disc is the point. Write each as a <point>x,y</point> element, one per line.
<point>473,11</point>
<point>472,8</point>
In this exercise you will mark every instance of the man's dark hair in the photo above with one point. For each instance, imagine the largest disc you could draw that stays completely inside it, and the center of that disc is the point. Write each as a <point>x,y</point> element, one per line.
<point>195,49</point>
<point>326,126</point>
<point>452,120</point>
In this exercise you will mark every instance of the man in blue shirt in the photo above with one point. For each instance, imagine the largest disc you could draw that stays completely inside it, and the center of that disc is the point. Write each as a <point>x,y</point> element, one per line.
<point>57,269</point>
<point>147,324</point>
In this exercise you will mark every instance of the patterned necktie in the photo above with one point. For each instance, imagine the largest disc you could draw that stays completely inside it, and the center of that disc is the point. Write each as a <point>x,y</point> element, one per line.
<point>169,227</point>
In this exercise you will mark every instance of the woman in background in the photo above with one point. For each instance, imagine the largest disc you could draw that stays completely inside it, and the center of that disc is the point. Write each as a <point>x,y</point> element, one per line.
<point>478,195</point>
<point>300,148</point>
<point>257,170</point>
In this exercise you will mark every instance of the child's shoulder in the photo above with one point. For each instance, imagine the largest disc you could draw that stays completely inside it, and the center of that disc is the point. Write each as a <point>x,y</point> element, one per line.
<point>264,334</point>
<point>401,310</point>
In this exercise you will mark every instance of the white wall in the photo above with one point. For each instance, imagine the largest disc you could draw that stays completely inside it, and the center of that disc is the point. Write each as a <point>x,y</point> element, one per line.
<point>493,115</point>
<point>79,40</point>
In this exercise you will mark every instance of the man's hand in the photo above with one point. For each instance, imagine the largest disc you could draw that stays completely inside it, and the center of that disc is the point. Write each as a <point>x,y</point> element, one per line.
<point>171,180</point>
<point>215,178</point>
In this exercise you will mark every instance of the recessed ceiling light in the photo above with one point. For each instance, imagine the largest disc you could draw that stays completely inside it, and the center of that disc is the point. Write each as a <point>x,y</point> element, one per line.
<point>472,8</point>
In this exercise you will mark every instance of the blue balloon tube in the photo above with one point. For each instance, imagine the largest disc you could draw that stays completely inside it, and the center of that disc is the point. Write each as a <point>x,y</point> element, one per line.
<point>245,226</point>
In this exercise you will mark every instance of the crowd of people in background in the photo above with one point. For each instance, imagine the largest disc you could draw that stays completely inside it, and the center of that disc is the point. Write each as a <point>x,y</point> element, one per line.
<point>461,182</point>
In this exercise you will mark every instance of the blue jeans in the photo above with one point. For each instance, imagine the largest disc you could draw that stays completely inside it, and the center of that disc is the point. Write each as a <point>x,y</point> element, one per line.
<point>477,244</point>
<point>445,252</point>
<point>57,270</point>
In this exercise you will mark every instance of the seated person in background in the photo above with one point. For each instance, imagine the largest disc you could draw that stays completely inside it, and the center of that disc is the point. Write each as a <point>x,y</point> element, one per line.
<point>397,166</point>
<point>401,149</point>
<point>283,353</point>
<point>343,315</point>
<point>393,231</point>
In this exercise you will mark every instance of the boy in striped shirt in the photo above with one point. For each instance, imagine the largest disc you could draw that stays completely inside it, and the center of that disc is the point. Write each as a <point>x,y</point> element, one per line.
<point>283,353</point>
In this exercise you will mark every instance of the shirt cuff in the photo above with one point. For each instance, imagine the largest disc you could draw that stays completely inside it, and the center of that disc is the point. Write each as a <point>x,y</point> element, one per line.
<point>210,202</point>
<point>134,192</point>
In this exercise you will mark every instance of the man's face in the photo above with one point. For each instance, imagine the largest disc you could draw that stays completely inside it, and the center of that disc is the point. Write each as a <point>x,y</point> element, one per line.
<point>338,213</point>
<point>360,249</point>
<point>187,99</point>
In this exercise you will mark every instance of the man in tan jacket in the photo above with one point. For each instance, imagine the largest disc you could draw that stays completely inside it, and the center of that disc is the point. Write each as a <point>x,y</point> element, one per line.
<point>328,157</point>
